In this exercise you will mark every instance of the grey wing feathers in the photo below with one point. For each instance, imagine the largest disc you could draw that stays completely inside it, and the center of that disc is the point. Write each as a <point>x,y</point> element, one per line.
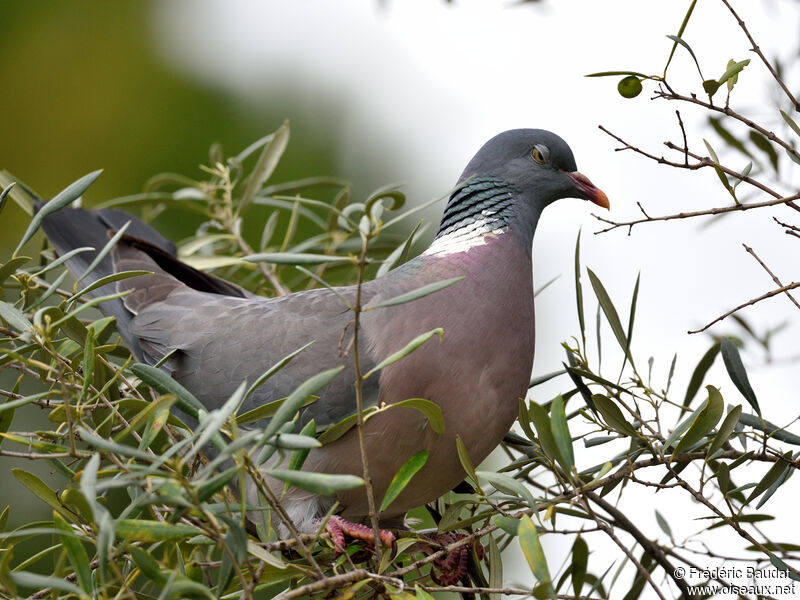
<point>219,341</point>
<point>219,334</point>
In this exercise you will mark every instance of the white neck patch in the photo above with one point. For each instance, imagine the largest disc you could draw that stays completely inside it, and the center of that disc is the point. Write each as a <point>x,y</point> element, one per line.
<point>471,234</point>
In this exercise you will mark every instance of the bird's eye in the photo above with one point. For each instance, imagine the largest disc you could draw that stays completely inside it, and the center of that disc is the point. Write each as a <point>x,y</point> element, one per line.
<point>540,154</point>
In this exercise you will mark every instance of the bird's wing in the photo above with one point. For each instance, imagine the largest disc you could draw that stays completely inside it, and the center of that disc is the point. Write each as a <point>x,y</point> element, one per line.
<point>218,340</point>
<point>72,228</point>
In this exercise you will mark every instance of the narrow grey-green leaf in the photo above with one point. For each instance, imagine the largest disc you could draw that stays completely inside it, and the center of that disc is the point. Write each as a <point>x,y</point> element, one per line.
<point>507,524</point>
<point>733,70</point>
<point>398,255</point>
<point>726,429</point>
<point>61,260</point>
<point>15,318</point>
<point>210,423</point>
<point>140,530</point>
<point>4,194</point>
<point>420,292</point>
<point>775,485</point>
<point>265,166</point>
<point>580,559</point>
<point>495,564</point>
<point>431,410</point>
<point>766,147</point>
<point>793,156</point>
<point>681,29</point>
<point>791,122</point>
<point>704,422</point>
<point>613,415</point>
<point>737,373</point>
<point>10,267</point>
<point>38,487</point>
<point>699,373</point>
<point>295,441</point>
<point>610,312</point>
<point>299,456</point>
<point>211,486</point>
<point>402,477</point>
<point>508,484</point>
<point>76,553</point>
<point>105,250</point>
<point>119,276</point>
<point>730,139</point>
<point>466,461</point>
<point>267,410</point>
<point>720,173</point>
<point>317,483</point>
<point>295,258</point>
<point>615,73</point>
<point>771,477</point>
<point>724,478</point>
<point>297,398</point>
<point>682,42</point>
<point>544,429</point>
<point>66,196</point>
<point>772,430</point>
<point>534,555</point>
<point>338,429</point>
<point>147,565</point>
<point>406,350</point>
<point>579,289</point>
<point>164,384</point>
<point>41,582</point>
<point>560,429</point>
<point>662,523</point>
<point>632,317</point>
<point>782,566</point>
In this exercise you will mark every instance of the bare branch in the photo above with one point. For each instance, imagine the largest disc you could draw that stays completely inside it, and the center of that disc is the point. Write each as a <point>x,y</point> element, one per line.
<point>780,290</point>
<point>757,50</point>
<point>726,110</point>
<point>699,213</point>
<point>771,274</point>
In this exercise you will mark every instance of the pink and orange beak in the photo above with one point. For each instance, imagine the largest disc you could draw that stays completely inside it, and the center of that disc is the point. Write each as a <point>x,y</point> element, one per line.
<point>588,190</point>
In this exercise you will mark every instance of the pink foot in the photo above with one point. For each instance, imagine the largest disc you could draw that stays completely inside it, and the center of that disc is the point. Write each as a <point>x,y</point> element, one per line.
<point>339,528</point>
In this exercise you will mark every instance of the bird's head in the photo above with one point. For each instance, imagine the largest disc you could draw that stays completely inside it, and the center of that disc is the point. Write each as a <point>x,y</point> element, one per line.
<point>508,184</point>
<point>537,164</point>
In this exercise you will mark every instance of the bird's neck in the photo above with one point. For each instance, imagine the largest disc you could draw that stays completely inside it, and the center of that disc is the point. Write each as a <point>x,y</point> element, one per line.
<point>481,209</point>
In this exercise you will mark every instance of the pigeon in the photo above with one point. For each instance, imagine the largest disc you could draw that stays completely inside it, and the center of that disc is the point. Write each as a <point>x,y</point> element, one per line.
<point>216,335</point>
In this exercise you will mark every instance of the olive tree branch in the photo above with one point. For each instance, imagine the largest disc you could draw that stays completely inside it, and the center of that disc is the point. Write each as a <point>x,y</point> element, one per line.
<point>775,292</point>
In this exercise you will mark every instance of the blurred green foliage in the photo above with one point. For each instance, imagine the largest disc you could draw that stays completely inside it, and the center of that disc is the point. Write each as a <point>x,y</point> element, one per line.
<point>84,88</point>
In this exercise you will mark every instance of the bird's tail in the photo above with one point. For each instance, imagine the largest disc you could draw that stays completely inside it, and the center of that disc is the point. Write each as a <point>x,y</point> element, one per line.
<point>72,228</point>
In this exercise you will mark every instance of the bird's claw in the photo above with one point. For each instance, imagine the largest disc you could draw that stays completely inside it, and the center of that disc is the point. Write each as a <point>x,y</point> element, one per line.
<point>452,567</point>
<point>338,528</point>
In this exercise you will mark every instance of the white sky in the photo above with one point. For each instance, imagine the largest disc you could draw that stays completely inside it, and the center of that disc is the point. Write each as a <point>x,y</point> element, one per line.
<point>418,85</point>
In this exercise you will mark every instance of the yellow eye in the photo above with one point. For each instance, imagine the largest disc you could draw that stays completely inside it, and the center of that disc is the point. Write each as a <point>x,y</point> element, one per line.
<point>539,154</point>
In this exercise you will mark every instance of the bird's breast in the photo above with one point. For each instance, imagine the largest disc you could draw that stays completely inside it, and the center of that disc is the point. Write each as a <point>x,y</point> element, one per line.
<point>475,373</point>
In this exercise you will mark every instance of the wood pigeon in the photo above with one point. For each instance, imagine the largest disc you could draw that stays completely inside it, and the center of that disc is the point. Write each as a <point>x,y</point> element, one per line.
<point>220,335</point>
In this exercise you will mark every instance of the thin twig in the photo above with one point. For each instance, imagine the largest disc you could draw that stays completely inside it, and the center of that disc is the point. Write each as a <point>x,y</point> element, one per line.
<point>770,294</point>
<point>771,274</point>
<point>763,58</point>
<point>726,110</point>
<point>685,143</point>
<point>359,389</point>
